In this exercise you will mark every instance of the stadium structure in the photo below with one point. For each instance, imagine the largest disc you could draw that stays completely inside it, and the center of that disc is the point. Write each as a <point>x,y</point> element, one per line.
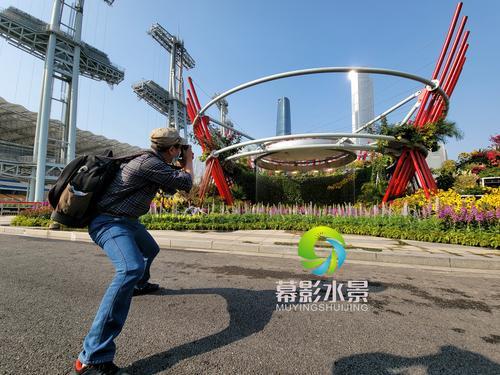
<point>17,137</point>
<point>66,57</point>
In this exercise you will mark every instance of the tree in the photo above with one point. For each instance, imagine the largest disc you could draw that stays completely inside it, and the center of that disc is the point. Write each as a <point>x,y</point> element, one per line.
<point>495,142</point>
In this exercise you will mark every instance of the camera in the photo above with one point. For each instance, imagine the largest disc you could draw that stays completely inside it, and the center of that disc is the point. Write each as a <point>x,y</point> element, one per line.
<point>183,150</point>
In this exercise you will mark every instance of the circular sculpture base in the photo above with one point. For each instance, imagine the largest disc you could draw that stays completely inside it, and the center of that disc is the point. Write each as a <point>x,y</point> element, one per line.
<point>304,155</point>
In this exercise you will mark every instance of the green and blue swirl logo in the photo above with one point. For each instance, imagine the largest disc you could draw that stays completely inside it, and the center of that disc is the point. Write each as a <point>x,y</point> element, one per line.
<point>322,266</point>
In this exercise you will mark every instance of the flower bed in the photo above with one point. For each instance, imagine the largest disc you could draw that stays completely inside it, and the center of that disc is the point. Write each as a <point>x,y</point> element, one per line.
<point>398,227</point>
<point>447,218</point>
<point>456,211</point>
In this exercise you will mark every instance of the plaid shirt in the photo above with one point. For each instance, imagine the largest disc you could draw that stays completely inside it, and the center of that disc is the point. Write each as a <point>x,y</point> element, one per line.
<point>137,182</point>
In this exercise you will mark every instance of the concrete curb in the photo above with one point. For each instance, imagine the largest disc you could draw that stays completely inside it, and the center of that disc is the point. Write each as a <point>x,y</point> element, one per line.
<point>236,246</point>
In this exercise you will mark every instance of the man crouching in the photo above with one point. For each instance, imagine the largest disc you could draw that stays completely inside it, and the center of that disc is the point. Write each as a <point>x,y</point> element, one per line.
<point>131,249</point>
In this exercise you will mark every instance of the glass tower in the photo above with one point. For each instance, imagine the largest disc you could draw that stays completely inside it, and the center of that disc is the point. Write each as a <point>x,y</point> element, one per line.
<point>283,121</point>
<point>362,102</point>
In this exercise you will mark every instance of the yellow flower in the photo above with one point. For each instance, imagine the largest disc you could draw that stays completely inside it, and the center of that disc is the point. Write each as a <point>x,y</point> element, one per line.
<point>489,201</point>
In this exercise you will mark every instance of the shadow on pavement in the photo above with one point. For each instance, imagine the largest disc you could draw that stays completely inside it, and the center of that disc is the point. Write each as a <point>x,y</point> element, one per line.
<point>249,312</point>
<point>449,361</point>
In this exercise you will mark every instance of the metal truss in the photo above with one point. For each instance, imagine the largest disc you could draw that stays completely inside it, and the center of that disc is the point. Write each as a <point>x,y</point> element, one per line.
<point>66,57</point>
<point>174,107</point>
<point>155,95</point>
<point>24,171</point>
<point>31,35</point>
<point>168,41</point>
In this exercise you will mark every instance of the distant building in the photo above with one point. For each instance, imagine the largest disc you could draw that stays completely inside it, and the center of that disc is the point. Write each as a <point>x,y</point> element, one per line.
<point>198,170</point>
<point>361,102</point>
<point>283,121</point>
<point>17,138</point>
<point>435,159</point>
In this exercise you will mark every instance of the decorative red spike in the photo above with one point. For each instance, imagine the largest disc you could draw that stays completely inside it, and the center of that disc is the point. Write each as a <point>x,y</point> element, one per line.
<point>407,174</point>
<point>462,63</point>
<point>202,133</point>
<point>407,171</point>
<point>392,181</point>
<point>196,101</point>
<point>413,162</point>
<point>419,174</point>
<point>426,172</point>
<point>450,81</point>
<point>454,48</point>
<point>447,41</point>
<point>452,57</point>
<point>441,57</point>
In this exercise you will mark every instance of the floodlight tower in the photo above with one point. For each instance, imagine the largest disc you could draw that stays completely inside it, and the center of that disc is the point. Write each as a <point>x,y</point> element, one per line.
<point>66,57</point>
<point>223,107</point>
<point>179,59</point>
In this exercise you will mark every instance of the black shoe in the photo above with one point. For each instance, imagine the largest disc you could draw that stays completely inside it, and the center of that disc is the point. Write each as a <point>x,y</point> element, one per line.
<point>146,289</point>
<point>107,368</point>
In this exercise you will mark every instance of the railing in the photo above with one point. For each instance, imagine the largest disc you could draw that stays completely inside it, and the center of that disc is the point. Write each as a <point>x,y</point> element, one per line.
<point>13,207</point>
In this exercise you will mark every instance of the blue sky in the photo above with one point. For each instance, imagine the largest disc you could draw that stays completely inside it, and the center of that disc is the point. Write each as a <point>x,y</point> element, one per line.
<point>237,41</point>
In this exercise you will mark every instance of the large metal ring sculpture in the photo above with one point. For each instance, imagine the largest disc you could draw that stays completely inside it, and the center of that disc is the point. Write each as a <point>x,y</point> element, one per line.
<point>303,152</point>
<point>326,150</point>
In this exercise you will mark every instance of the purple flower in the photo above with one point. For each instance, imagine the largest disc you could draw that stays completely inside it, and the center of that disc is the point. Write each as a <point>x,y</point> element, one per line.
<point>489,215</point>
<point>446,212</point>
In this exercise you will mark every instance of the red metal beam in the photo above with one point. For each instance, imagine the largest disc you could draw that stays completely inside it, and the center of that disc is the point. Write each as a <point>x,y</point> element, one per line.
<point>399,177</point>
<point>411,162</point>
<point>405,178</point>
<point>444,49</point>
<point>462,63</point>
<point>451,80</point>
<point>424,167</point>
<point>392,182</point>
<point>431,108</point>
<point>196,101</point>
<point>420,175</point>
<point>454,48</point>
<point>203,135</point>
<point>406,172</point>
<point>451,29</point>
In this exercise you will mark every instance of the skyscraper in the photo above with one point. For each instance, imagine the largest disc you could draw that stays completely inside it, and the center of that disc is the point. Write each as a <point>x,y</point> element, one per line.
<point>436,159</point>
<point>361,101</point>
<point>283,121</point>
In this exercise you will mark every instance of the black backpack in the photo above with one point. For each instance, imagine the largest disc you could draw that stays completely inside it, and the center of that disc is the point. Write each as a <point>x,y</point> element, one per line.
<point>82,182</point>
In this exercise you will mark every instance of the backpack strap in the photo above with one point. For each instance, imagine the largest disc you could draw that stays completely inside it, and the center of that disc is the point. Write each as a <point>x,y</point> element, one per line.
<point>126,158</point>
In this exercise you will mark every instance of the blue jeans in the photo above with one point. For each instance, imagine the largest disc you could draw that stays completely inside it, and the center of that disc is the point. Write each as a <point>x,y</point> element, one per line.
<point>131,250</point>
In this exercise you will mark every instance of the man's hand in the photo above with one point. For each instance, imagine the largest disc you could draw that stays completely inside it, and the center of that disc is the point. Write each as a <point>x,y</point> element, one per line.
<point>187,161</point>
<point>187,157</point>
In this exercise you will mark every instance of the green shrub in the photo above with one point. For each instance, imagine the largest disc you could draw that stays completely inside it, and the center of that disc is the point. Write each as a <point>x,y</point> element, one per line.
<point>397,227</point>
<point>29,221</point>
<point>288,189</point>
<point>40,212</point>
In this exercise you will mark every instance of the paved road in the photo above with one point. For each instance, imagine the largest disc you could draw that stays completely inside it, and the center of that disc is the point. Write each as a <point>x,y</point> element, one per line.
<point>217,315</point>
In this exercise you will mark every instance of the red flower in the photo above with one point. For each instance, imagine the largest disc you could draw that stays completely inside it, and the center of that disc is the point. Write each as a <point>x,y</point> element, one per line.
<point>478,169</point>
<point>493,157</point>
<point>495,140</point>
